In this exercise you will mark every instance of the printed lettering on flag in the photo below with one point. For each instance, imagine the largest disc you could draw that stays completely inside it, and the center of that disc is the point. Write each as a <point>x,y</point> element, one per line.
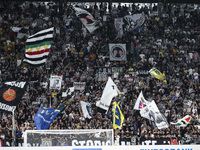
<point>10,94</point>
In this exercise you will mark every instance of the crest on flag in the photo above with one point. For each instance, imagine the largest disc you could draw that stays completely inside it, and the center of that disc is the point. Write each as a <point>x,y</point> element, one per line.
<point>44,117</point>
<point>141,102</point>
<point>55,81</point>
<point>117,52</point>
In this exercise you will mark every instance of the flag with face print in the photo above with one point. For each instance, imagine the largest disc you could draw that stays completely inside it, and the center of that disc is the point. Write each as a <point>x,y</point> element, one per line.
<point>86,18</point>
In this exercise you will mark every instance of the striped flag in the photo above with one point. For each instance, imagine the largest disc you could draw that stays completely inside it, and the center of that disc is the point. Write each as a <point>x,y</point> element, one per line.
<point>38,47</point>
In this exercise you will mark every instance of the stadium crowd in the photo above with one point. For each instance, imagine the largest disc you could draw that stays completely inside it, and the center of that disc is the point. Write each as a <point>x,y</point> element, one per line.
<point>169,40</point>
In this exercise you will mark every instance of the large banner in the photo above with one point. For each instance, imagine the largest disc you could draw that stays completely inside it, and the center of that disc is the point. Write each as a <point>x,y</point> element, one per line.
<point>101,76</point>
<point>155,141</point>
<point>79,86</point>
<point>11,94</point>
<point>143,72</point>
<point>55,82</point>
<point>117,52</point>
<point>86,18</point>
<point>109,71</point>
<point>128,23</point>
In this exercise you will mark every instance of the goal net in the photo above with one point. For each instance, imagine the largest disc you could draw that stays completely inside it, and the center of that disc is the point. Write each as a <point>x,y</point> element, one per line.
<point>92,137</point>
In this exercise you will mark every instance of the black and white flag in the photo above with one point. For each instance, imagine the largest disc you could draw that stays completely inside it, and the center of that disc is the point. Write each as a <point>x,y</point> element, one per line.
<point>69,91</point>
<point>10,94</point>
<point>86,18</point>
<point>128,23</point>
<point>21,32</point>
<point>38,47</point>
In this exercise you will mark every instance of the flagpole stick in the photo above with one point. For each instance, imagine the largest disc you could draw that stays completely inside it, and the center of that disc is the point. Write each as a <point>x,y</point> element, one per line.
<point>13,129</point>
<point>50,101</point>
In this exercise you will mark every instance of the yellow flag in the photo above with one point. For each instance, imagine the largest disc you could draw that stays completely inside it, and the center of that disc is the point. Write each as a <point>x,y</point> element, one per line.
<point>157,74</point>
<point>118,117</point>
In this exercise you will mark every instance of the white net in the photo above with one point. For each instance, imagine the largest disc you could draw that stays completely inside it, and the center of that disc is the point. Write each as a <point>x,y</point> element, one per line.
<point>93,137</point>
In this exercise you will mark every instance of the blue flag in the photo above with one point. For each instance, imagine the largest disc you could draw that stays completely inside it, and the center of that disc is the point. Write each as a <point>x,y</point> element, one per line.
<point>44,117</point>
<point>118,117</point>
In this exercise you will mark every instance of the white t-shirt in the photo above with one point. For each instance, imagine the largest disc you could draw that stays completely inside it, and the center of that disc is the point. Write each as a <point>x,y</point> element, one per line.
<point>196,75</point>
<point>190,71</point>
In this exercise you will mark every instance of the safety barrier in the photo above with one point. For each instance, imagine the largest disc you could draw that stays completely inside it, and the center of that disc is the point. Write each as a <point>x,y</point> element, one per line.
<point>137,147</point>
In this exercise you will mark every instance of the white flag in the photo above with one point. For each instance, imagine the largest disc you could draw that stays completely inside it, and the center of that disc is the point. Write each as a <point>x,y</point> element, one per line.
<point>152,112</point>
<point>109,92</point>
<point>87,109</point>
<point>141,102</point>
<point>183,122</point>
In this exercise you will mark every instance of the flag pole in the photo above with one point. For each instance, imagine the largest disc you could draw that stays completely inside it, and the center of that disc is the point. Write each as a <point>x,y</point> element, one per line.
<point>13,129</point>
<point>50,101</point>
